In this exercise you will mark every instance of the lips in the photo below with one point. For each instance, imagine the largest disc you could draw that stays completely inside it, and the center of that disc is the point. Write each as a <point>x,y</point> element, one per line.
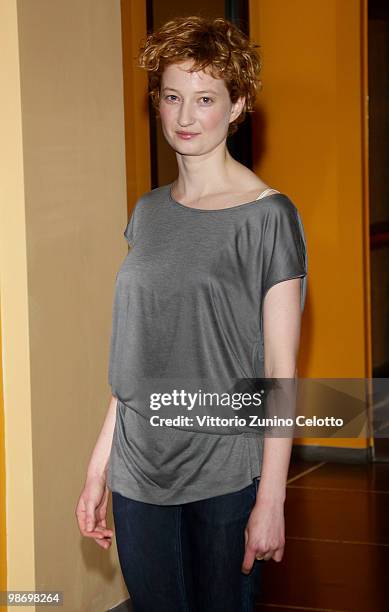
<point>187,134</point>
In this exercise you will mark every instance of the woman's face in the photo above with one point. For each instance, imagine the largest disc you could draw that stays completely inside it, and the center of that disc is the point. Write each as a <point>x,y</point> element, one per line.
<point>195,109</point>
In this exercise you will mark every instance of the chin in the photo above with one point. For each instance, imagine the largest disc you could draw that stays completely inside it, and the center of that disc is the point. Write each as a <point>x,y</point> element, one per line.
<point>183,151</point>
<point>185,147</point>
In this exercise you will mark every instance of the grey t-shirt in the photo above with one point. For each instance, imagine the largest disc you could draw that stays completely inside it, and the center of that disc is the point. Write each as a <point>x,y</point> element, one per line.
<point>188,302</point>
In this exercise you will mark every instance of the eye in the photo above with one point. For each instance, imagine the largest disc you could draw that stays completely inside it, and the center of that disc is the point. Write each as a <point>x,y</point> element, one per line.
<point>206,98</point>
<point>170,96</point>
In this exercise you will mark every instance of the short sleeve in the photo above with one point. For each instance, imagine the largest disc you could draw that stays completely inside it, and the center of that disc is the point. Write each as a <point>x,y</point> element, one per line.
<point>285,249</point>
<point>129,231</point>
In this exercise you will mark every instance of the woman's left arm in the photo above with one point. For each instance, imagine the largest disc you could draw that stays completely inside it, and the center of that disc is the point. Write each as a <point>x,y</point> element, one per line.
<point>265,530</point>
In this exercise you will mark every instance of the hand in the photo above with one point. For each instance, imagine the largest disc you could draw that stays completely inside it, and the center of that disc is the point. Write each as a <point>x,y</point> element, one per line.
<point>91,512</point>
<point>264,533</point>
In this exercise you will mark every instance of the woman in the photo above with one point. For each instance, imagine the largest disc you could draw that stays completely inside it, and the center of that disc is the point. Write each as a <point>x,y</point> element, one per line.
<point>213,285</point>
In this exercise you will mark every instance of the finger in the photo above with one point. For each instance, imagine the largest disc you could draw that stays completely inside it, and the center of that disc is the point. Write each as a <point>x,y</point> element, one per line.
<point>104,543</point>
<point>98,533</point>
<point>104,501</point>
<point>248,561</point>
<point>80,515</point>
<point>102,507</point>
<point>104,538</point>
<point>95,534</point>
<point>106,533</point>
<point>102,511</point>
<point>268,554</point>
<point>90,516</point>
<point>100,527</point>
<point>101,532</point>
<point>279,553</point>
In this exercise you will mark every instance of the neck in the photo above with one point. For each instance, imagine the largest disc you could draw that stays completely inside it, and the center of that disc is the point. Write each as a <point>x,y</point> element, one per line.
<point>199,176</point>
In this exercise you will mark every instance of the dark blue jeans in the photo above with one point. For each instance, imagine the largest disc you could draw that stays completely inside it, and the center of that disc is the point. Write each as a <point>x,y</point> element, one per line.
<point>187,558</point>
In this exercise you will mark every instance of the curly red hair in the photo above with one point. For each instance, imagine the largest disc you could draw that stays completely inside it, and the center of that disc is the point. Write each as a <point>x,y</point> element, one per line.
<point>213,44</point>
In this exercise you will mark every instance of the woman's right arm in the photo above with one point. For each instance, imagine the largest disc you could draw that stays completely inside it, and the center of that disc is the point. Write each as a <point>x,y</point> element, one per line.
<point>98,462</point>
<point>91,508</point>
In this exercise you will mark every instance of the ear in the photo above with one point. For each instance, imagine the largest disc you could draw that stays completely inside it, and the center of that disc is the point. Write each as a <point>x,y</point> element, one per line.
<point>237,108</point>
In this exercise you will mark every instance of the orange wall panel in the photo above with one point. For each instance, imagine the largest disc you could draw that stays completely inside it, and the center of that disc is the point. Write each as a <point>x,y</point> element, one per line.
<point>310,134</point>
<point>136,116</point>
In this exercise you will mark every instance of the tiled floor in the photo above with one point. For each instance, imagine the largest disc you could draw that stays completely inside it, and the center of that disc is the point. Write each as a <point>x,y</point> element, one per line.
<point>336,556</point>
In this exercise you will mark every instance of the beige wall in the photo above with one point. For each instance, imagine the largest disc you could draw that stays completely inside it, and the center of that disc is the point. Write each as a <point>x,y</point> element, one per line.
<point>14,315</point>
<point>63,212</point>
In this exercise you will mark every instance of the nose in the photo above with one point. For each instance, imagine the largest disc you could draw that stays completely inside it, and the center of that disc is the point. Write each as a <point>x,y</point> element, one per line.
<point>185,115</point>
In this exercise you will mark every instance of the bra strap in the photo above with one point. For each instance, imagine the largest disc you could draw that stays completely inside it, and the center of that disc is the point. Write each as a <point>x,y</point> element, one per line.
<point>264,193</point>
